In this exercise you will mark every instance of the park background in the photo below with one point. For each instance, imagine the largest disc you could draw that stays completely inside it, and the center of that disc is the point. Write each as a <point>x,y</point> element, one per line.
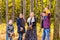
<point>12,8</point>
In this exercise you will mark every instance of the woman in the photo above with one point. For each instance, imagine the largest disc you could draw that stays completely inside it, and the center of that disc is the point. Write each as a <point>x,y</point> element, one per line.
<point>31,31</point>
<point>20,26</point>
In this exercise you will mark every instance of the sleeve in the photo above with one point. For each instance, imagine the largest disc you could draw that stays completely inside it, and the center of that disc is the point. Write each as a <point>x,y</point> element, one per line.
<point>13,30</point>
<point>49,15</point>
<point>7,30</point>
<point>18,25</point>
<point>27,23</point>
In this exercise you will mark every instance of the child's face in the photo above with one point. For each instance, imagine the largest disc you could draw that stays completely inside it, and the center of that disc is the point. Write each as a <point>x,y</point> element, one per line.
<point>10,22</point>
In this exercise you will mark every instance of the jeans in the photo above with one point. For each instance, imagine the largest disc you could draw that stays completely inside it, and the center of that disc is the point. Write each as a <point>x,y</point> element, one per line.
<point>8,38</point>
<point>46,34</point>
<point>20,36</point>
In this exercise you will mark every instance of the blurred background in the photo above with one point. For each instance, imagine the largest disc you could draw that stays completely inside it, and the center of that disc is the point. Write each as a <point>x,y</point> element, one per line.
<point>12,8</point>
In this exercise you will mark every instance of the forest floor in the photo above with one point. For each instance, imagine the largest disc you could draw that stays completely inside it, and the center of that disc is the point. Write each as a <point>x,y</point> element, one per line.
<point>39,32</point>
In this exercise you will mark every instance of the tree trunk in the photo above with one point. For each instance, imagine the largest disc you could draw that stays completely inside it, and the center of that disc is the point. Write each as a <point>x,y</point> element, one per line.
<point>36,5</point>
<point>0,11</point>
<point>24,7</point>
<point>7,11</point>
<point>42,5</point>
<point>56,28</point>
<point>31,5</point>
<point>49,4</point>
<point>59,20</point>
<point>13,7</point>
<point>21,6</point>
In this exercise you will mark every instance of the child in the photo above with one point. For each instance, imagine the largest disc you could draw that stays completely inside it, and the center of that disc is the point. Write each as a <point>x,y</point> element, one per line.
<point>9,30</point>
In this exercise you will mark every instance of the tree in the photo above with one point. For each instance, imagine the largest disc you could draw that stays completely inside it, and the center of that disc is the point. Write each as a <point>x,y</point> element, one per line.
<point>31,5</point>
<point>56,28</point>
<point>50,4</point>
<point>41,5</point>
<point>7,11</point>
<point>24,7</point>
<point>0,11</point>
<point>13,7</point>
<point>21,6</point>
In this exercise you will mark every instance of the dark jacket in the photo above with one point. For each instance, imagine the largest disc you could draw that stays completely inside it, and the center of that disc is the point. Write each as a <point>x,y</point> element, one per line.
<point>9,29</point>
<point>21,23</point>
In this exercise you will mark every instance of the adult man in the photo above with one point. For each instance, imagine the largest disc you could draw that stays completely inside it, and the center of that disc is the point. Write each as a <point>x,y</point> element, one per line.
<point>46,24</point>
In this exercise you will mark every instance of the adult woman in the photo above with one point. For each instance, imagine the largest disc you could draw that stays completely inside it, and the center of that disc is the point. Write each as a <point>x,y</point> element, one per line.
<point>31,31</point>
<point>20,26</point>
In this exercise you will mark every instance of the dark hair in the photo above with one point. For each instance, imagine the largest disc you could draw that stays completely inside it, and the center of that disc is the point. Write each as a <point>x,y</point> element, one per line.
<point>44,12</point>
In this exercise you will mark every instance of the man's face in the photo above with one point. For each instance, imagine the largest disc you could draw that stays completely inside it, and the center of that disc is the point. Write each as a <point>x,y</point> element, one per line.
<point>43,14</point>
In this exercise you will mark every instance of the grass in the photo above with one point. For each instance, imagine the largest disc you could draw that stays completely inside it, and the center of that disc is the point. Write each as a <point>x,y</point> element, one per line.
<point>39,31</point>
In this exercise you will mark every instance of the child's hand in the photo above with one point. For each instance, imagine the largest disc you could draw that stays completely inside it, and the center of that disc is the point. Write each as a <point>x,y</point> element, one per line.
<point>11,34</point>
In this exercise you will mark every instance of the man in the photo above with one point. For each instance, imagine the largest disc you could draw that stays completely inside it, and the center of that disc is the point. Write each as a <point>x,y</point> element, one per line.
<point>20,26</point>
<point>46,24</point>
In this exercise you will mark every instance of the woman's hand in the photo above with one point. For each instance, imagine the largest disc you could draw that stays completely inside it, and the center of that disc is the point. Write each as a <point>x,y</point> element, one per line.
<point>30,27</point>
<point>21,29</point>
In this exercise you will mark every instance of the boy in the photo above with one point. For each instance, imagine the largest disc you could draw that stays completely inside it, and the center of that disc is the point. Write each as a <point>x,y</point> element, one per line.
<point>9,30</point>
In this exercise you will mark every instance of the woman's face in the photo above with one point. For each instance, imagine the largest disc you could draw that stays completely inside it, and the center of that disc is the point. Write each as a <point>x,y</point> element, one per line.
<point>32,14</point>
<point>21,16</point>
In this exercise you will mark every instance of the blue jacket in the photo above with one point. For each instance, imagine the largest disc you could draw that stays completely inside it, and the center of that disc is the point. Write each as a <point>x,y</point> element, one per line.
<point>20,23</point>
